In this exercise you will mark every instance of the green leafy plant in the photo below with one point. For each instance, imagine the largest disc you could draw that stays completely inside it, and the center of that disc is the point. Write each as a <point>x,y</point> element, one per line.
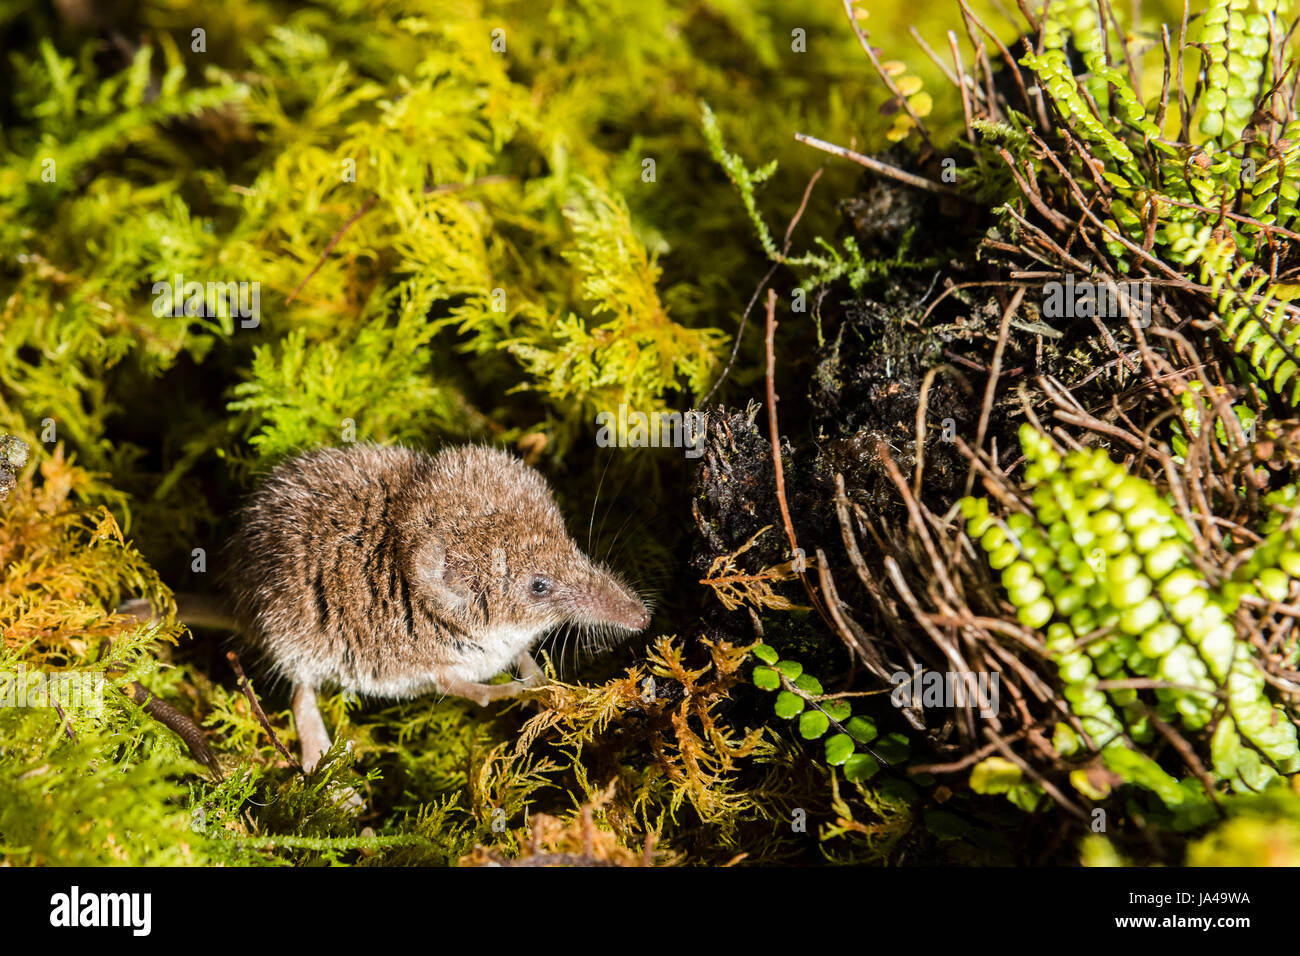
<point>1103,564</point>
<point>1157,190</point>
<point>815,268</point>
<point>854,746</point>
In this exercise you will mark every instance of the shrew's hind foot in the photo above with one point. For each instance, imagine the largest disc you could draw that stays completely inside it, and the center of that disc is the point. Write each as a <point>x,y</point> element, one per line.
<point>313,738</point>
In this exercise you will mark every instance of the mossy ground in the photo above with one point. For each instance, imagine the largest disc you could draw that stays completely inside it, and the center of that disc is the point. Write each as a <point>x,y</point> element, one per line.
<point>486,222</point>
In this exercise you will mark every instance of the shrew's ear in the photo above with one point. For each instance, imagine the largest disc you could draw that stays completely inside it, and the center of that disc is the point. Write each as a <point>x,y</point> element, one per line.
<point>430,568</point>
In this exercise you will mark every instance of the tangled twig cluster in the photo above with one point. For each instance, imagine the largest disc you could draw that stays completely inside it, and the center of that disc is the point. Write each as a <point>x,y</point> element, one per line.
<point>1128,573</point>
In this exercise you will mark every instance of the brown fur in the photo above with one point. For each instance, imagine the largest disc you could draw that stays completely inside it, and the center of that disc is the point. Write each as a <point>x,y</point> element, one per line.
<point>390,572</point>
<point>375,568</point>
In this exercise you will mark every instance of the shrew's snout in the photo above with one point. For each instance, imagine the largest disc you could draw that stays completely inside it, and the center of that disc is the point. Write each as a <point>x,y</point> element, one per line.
<point>633,616</point>
<point>606,600</point>
<point>623,606</point>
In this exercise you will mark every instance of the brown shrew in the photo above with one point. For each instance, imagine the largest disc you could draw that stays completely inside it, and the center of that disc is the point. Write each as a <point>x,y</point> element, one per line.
<point>393,573</point>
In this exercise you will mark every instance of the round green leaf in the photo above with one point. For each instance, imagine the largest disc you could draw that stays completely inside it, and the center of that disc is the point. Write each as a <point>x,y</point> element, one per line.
<point>765,678</point>
<point>860,767</point>
<point>791,669</point>
<point>892,749</point>
<point>809,685</point>
<point>812,724</point>
<point>994,775</point>
<point>1026,796</point>
<point>862,728</point>
<point>766,653</point>
<point>837,710</point>
<point>838,749</point>
<point>788,705</point>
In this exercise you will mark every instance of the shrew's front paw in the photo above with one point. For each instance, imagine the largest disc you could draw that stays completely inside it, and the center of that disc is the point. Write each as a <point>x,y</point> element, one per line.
<point>483,694</point>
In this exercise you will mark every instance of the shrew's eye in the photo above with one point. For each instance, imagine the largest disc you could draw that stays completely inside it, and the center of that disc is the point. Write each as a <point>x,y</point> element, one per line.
<point>540,587</point>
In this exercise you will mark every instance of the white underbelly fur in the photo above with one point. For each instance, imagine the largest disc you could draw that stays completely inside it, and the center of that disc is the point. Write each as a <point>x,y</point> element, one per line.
<point>499,650</point>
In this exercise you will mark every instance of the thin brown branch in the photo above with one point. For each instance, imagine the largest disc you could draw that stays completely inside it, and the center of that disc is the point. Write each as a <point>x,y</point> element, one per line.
<point>876,166</point>
<point>247,688</point>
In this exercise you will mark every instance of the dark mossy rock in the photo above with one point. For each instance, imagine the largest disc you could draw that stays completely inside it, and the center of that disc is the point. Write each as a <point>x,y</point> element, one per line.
<point>733,499</point>
<point>885,215</point>
<point>867,390</point>
<point>735,490</point>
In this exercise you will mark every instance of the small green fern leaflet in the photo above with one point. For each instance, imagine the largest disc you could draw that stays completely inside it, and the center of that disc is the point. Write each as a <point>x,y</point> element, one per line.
<point>854,745</point>
<point>1103,557</point>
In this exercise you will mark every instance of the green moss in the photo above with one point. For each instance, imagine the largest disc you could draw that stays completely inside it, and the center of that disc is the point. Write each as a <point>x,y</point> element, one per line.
<point>453,239</point>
